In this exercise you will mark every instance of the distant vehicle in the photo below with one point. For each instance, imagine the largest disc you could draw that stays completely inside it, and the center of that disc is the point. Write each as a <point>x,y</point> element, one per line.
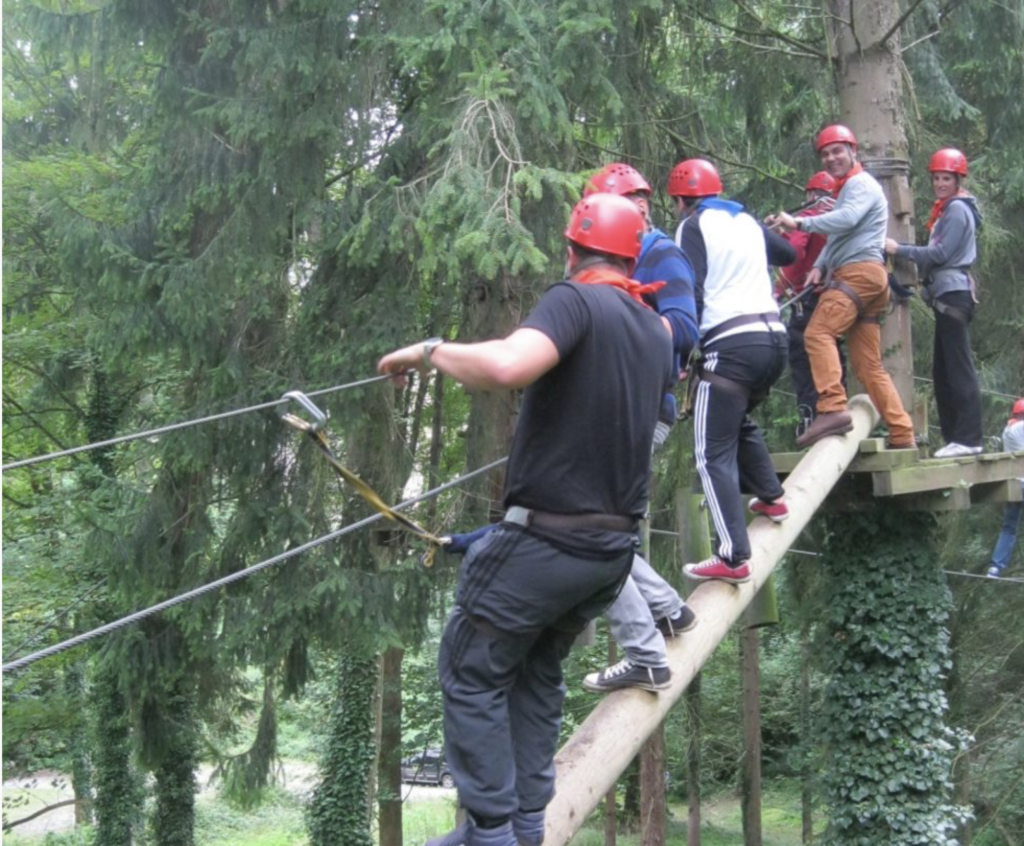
<point>427,767</point>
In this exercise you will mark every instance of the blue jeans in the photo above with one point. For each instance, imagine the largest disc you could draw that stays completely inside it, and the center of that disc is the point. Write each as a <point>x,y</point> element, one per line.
<point>644,598</point>
<point>1008,535</point>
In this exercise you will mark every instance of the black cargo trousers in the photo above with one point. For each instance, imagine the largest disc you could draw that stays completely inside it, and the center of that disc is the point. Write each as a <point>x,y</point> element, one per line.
<point>520,604</point>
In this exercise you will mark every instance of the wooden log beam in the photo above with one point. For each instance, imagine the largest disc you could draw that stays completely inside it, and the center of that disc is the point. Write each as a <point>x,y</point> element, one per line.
<point>589,764</point>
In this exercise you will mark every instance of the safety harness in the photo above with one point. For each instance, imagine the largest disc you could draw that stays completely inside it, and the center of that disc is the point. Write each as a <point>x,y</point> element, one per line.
<point>696,373</point>
<point>314,429</point>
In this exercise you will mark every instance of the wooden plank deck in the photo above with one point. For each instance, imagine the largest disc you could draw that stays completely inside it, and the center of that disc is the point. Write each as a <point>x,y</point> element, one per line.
<point>932,484</point>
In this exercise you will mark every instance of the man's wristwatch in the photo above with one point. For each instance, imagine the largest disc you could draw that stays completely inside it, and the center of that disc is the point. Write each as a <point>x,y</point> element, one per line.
<point>429,346</point>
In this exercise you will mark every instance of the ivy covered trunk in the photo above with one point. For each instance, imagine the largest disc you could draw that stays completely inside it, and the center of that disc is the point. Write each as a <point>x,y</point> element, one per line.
<point>118,804</point>
<point>174,817</point>
<point>889,752</point>
<point>337,812</point>
<point>78,750</point>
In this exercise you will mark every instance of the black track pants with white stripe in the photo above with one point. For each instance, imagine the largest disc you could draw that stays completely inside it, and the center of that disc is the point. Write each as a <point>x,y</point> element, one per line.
<point>728,444</point>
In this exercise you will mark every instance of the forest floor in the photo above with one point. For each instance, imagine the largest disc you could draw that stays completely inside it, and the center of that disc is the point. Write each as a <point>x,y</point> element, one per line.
<point>430,811</point>
<point>24,796</point>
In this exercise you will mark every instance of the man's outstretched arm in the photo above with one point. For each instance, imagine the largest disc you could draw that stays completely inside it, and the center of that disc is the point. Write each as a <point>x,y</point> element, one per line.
<point>506,364</point>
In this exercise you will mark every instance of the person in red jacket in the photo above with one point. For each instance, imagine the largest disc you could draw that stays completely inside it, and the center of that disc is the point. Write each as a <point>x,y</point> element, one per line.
<point>790,283</point>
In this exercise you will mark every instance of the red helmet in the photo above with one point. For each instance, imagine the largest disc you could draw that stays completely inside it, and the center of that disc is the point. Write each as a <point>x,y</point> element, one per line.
<point>948,160</point>
<point>1018,408</point>
<point>833,134</point>
<point>694,178</point>
<point>607,223</point>
<point>821,181</point>
<point>617,178</point>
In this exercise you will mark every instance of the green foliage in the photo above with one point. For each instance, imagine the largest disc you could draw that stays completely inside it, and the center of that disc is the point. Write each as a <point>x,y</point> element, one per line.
<point>889,751</point>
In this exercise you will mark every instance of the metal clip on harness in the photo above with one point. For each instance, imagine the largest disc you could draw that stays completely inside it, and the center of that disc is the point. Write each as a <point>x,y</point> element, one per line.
<point>314,428</point>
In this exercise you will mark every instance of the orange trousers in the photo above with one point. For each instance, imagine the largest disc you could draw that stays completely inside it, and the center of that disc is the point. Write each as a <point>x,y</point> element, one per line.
<point>836,316</point>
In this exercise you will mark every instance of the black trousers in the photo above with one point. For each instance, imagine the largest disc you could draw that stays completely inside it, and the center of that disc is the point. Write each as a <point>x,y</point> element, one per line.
<point>729,446</point>
<point>799,363</point>
<point>957,395</point>
<point>519,606</point>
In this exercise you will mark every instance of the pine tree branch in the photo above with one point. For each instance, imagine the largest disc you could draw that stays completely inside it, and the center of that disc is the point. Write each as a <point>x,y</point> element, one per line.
<point>35,371</point>
<point>12,401</point>
<point>675,136</point>
<point>754,33</point>
<point>774,33</point>
<point>902,20</point>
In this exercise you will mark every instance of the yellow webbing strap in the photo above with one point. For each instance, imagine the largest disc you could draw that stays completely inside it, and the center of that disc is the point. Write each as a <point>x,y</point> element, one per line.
<point>363,489</point>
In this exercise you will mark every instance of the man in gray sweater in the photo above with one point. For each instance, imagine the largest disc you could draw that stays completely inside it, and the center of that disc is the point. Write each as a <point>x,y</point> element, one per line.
<point>856,284</point>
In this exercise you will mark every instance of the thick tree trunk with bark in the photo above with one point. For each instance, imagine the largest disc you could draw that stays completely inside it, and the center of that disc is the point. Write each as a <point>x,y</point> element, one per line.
<point>869,79</point>
<point>493,310</point>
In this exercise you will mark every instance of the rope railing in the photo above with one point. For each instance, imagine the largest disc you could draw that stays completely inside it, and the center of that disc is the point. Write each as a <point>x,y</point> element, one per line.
<point>172,427</point>
<point>25,661</point>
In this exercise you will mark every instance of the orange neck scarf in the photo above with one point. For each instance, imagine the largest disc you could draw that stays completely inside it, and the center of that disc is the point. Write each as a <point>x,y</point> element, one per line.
<point>606,276</point>
<point>853,171</point>
<point>939,206</point>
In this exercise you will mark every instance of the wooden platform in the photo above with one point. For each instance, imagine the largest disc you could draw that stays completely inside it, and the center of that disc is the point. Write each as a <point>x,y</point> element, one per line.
<point>916,482</point>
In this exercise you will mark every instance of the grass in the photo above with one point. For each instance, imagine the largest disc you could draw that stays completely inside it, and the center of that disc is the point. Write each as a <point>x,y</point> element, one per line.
<point>721,817</point>
<point>279,822</point>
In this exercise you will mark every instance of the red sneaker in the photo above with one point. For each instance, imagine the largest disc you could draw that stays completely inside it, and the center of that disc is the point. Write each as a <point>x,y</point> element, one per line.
<point>716,568</point>
<point>774,511</point>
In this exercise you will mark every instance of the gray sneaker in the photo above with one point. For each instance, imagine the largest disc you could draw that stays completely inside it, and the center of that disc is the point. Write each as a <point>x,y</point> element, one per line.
<point>683,621</point>
<point>627,674</point>
<point>993,572</point>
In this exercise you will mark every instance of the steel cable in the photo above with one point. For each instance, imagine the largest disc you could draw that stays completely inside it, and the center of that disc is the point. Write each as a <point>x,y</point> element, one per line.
<point>25,462</point>
<point>234,577</point>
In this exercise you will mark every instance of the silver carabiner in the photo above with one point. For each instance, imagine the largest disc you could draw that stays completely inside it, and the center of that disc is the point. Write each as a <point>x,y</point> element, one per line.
<point>300,423</point>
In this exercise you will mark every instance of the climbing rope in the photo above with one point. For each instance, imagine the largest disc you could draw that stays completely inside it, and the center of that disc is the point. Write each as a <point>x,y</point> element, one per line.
<point>237,576</point>
<point>25,462</point>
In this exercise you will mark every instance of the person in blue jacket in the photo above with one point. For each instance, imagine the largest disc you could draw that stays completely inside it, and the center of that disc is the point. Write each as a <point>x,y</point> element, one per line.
<point>648,609</point>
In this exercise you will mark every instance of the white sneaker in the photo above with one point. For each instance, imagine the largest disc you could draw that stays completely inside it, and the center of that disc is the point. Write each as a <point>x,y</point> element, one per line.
<point>955,450</point>
<point>993,572</point>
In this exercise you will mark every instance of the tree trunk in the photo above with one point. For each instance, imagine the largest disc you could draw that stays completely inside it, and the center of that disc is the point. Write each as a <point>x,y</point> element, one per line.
<point>869,80</point>
<point>390,763</point>
<point>806,774</point>
<point>652,790</point>
<point>750,769</point>
<point>337,811</point>
<point>119,792</point>
<point>886,650</point>
<point>693,741</point>
<point>493,310</point>
<point>175,775</point>
<point>78,748</point>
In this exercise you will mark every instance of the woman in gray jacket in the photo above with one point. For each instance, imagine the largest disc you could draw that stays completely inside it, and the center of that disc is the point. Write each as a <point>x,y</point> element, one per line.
<point>949,288</point>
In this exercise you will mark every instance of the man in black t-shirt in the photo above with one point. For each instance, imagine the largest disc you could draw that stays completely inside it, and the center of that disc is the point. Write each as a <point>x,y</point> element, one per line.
<point>595,362</point>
